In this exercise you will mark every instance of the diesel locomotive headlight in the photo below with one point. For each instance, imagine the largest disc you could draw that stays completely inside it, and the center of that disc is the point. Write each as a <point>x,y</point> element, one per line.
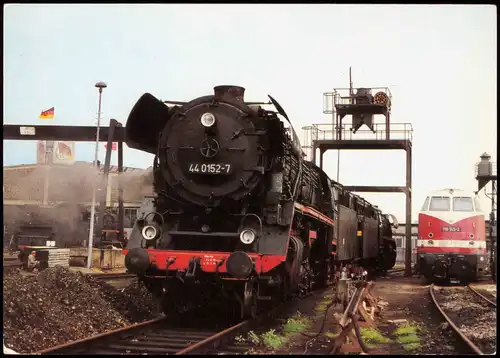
<point>207,120</point>
<point>247,236</point>
<point>149,232</point>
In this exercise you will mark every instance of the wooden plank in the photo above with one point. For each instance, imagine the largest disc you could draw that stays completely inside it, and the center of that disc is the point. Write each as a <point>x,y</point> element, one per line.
<point>351,348</point>
<point>365,314</point>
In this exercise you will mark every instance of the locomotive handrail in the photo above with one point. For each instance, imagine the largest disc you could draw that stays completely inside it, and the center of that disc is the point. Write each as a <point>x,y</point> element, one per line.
<point>328,131</point>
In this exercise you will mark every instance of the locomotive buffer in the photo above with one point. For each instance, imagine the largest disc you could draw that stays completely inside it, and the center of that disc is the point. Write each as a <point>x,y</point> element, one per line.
<point>363,106</point>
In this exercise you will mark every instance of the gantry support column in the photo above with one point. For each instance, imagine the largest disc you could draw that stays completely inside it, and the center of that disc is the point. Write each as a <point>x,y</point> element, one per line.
<point>408,212</point>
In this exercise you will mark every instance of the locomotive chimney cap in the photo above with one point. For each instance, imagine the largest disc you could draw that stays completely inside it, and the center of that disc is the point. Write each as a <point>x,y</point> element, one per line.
<point>235,92</point>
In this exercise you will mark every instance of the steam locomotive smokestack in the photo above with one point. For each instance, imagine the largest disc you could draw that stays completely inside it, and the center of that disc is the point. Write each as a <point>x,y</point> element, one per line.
<point>235,92</point>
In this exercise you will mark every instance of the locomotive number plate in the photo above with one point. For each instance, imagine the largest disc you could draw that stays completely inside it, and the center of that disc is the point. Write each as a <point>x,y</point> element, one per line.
<point>450,229</point>
<point>210,168</point>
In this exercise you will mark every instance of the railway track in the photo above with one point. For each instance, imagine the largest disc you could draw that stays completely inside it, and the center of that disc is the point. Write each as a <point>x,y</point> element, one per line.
<point>162,336</point>
<point>470,314</point>
<point>117,276</point>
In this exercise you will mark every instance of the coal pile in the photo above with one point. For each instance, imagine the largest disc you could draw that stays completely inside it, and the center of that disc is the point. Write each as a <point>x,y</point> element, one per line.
<point>59,305</point>
<point>134,303</point>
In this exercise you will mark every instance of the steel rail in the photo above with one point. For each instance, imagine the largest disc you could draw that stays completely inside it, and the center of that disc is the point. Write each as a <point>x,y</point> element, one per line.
<point>452,325</point>
<point>211,340</point>
<point>231,330</point>
<point>482,296</point>
<point>101,335</point>
<point>112,276</point>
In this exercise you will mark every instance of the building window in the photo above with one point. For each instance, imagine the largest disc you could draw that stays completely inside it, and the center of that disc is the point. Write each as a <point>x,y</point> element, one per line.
<point>130,216</point>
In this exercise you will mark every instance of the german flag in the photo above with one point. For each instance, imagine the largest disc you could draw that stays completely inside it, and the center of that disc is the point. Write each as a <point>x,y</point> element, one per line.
<point>48,114</point>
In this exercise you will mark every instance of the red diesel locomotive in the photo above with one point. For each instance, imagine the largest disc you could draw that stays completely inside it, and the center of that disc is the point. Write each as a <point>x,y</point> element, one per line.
<point>451,236</point>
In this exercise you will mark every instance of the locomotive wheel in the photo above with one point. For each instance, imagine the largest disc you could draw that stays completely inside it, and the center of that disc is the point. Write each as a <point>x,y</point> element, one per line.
<point>170,310</point>
<point>249,306</point>
<point>285,287</point>
<point>296,264</point>
<point>306,281</point>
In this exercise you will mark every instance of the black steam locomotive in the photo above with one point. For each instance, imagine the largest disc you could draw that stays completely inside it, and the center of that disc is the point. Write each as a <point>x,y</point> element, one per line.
<point>237,212</point>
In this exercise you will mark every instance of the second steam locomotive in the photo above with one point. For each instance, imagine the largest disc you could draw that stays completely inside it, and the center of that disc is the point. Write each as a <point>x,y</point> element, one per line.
<point>237,212</point>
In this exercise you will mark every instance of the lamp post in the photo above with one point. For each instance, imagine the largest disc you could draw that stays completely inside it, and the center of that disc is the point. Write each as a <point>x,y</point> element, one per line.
<point>100,86</point>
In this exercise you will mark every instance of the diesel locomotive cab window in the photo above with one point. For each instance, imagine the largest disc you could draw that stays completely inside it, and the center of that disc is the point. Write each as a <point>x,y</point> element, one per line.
<point>440,203</point>
<point>462,204</point>
<point>426,205</point>
<point>477,204</point>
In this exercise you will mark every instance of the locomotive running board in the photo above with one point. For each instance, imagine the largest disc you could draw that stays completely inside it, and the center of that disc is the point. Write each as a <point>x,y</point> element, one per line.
<point>307,210</point>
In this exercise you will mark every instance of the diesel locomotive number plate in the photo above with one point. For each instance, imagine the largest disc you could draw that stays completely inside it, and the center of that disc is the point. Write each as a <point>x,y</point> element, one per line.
<point>210,168</point>
<point>450,229</point>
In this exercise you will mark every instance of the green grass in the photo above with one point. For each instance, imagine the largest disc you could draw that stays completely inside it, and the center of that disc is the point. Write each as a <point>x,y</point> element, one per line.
<point>410,347</point>
<point>271,340</point>
<point>297,323</point>
<point>372,337</point>
<point>331,335</point>
<point>320,307</point>
<point>408,339</point>
<point>406,329</point>
<point>323,304</point>
<point>407,336</point>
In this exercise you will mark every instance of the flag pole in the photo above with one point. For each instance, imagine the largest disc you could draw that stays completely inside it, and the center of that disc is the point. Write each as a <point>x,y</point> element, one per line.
<point>99,85</point>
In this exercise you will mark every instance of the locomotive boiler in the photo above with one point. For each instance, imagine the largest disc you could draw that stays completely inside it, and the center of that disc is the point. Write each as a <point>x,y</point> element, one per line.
<point>237,213</point>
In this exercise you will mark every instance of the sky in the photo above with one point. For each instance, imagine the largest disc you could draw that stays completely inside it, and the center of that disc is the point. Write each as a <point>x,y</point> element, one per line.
<point>439,62</point>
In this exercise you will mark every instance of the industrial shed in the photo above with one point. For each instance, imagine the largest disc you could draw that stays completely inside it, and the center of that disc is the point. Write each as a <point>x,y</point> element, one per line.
<point>69,188</point>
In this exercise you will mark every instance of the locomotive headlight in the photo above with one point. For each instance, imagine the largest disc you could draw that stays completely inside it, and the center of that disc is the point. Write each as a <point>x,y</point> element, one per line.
<point>247,236</point>
<point>207,120</point>
<point>149,232</point>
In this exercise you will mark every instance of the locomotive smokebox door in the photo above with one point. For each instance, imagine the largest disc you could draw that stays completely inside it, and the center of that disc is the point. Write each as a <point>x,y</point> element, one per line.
<point>146,120</point>
<point>214,149</point>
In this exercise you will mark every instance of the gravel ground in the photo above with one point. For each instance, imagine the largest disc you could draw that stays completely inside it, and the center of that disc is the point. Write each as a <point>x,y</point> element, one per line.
<point>406,299</point>
<point>486,289</point>
<point>57,306</point>
<point>471,314</point>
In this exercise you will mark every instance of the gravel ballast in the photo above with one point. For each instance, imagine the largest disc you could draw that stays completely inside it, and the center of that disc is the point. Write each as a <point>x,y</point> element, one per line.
<point>473,316</point>
<point>58,306</point>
